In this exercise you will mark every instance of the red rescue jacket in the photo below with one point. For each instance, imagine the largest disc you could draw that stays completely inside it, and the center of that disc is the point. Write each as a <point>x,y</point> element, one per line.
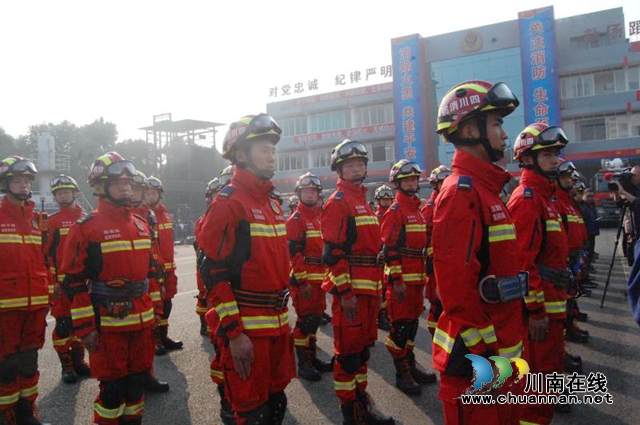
<point>24,278</point>
<point>305,246</point>
<point>572,220</point>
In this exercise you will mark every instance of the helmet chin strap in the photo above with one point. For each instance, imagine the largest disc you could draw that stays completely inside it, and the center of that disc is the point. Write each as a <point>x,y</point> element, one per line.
<point>551,175</point>
<point>124,202</point>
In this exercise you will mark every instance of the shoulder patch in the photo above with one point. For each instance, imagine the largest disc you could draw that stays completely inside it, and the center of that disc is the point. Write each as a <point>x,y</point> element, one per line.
<point>464,183</point>
<point>527,193</point>
<point>339,195</point>
<point>394,207</point>
<point>84,218</point>
<point>226,192</point>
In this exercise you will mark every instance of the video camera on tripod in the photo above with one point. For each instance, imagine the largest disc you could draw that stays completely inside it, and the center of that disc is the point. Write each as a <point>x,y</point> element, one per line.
<point>623,178</point>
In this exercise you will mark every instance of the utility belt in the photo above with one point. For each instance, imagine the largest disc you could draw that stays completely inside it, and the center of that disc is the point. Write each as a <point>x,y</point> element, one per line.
<point>504,289</point>
<point>274,300</point>
<point>412,252</point>
<point>117,295</point>
<point>561,278</point>
<point>366,260</point>
<point>314,261</point>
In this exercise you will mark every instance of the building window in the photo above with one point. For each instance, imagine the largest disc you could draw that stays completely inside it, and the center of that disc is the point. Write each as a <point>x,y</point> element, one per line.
<point>294,161</point>
<point>321,158</point>
<point>328,121</point>
<point>634,77</point>
<point>622,126</point>
<point>577,86</point>
<point>293,126</point>
<point>593,129</point>
<point>382,151</point>
<point>373,115</point>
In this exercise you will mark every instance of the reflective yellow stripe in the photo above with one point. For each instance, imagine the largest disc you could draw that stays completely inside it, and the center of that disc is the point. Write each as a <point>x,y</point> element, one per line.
<point>553,226</point>
<point>471,337</point>
<point>40,300</point>
<point>511,352</point>
<point>431,324</point>
<point>33,239</point>
<point>163,322</point>
<point>103,412</point>
<point>442,340</point>
<point>555,307</point>
<point>394,269</point>
<point>265,322</point>
<point>24,301</point>
<point>316,276</point>
<point>202,310</point>
<point>64,231</point>
<point>413,277</point>
<point>268,230</point>
<point>365,284</point>
<point>134,409</point>
<point>366,220</point>
<point>502,232</point>
<point>113,246</point>
<point>156,296</point>
<point>391,344</point>
<point>82,312</point>
<point>9,399</point>
<point>28,392</point>
<point>169,266</point>
<point>11,239</point>
<point>312,234</point>
<point>142,244</point>
<point>165,226</point>
<point>62,341</point>
<point>489,335</point>
<point>361,377</point>
<point>302,342</point>
<point>540,296</point>
<point>413,228</point>
<point>430,250</point>
<point>129,320</point>
<point>227,309</point>
<point>216,373</point>
<point>344,385</point>
<point>339,280</point>
<point>60,277</point>
<point>300,275</point>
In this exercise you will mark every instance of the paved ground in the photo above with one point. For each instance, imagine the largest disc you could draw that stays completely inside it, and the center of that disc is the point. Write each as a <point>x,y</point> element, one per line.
<point>613,350</point>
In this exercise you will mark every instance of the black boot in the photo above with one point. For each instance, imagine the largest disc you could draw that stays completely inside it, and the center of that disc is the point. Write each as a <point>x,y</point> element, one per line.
<point>306,370</point>
<point>318,364</point>
<point>369,415</point>
<point>259,416</point>
<point>81,367</point>
<point>69,375</point>
<point>325,319</point>
<point>27,413</point>
<point>404,379</point>
<point>226,413</point>
<point>419,376</point>
<point>167,342</point>
<point>383,320</point>
<point>278,406</point>
<point>154,385</point>
<point>160,350</point>
<point>352,414</point>
<point>203,327</point>
<point>571,366</point>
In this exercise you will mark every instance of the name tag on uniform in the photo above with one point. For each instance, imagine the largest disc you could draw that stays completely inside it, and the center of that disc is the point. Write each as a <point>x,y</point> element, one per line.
<point>257,214</point>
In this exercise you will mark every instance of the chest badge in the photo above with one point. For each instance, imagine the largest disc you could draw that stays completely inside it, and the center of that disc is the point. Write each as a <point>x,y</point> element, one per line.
<point>139,226</point>
<point>274,206</point>
<point>35,223</point>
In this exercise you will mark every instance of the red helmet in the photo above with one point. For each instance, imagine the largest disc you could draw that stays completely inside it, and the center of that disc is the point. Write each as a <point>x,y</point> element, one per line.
<point>347,149</point>
<point>140,179</point>
<point>383,192</point>
<point>213,187</point>
<point>247,128</point>
<point>403,169</point>
<point>110,165</point>
<point>15,166</point>
<point>308,180</point>
<point>64,182</point>
<point>438,174</point>
<point>538,136</point>
<point>155,183</point>
<point>469,99</point>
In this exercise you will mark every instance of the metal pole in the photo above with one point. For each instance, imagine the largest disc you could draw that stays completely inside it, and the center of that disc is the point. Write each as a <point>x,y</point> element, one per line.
<point>613,257</point>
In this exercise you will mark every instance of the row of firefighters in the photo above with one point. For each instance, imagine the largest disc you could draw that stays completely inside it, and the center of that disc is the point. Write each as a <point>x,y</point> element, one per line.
<point>500,278</point>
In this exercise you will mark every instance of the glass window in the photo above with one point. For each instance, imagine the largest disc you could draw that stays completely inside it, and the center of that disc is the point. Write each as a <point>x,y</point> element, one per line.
<point>604,83</point>
<point>591,130</point>
<point>378,152</point>
<point>620,80</point>
<point>634,76</point>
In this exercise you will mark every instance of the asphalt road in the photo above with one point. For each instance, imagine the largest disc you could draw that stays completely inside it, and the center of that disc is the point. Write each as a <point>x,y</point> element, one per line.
<point>613,350</point>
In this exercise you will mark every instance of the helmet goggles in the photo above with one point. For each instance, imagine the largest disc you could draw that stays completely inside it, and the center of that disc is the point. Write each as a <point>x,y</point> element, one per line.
<point>551,137</point>
<point>23,166</point>
<point>259,125</point>
<point>352,149</point>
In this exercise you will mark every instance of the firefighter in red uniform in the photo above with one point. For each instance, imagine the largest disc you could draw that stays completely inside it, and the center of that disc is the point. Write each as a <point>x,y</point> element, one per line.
<point>544,250</point>
<point>69,348</point>
<point>24,299</point>
<point>294,200</point>
<point>246,269</point>
<point>404,235</point>
<point>436,178</point>
<point>475,255</point>
<point>351,235</point>
<point>156,275</point>
<point>307,275</point>
<point>384,196</point>
<point>106,266</point>
<point>152,197</point>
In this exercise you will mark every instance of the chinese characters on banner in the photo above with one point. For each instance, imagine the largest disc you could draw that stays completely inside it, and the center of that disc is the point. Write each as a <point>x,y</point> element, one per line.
<point>634,30</point>
<point>407,100</point>
<point>539,64</point>
<point>354,77</point>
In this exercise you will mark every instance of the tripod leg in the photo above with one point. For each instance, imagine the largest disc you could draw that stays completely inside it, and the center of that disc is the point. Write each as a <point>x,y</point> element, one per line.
<point>613,257</point>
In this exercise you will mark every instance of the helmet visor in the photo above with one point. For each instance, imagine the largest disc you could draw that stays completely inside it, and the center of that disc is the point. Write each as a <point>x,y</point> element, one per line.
<point>385,193</point>
<point>350,149</point>
<point>410,168</point>
<point>120,168</point>
<point>567,167</point>
<point>262,124</point>
<point>552,135</point>
<point>500,95</point>
<point>442,175</point>
<point>310,181</point>
<point>24,166</point>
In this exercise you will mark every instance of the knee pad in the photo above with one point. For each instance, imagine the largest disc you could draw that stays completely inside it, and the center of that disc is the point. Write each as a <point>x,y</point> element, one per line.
<point>9,369</point>
<point>28,363</point>
<point>112,393</point>
<point>400,333</point>
<point>135,386</point>
<point>351,363</point>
